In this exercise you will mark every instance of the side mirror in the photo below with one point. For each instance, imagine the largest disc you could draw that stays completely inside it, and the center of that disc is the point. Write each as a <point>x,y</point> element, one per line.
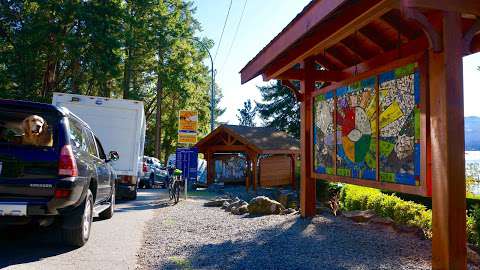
<point>113,155</point>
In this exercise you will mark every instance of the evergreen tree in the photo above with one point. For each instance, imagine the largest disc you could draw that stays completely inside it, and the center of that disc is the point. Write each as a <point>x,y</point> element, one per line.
<point>246,115</point>
<point>109,48</point>
<point>280,109</point>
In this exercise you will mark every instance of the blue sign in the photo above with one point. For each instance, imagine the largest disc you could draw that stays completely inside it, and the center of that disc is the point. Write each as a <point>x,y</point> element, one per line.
<point>187,161</point>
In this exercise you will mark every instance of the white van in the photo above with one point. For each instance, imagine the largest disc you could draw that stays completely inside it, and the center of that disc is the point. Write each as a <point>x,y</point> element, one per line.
<point>120,125</point>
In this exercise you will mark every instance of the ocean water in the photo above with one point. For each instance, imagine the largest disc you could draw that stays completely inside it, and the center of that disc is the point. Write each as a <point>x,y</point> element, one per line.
<point>472,156</point>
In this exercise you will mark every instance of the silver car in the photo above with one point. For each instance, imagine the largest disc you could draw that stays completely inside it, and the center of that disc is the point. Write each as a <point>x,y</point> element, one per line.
<point>154,173</point>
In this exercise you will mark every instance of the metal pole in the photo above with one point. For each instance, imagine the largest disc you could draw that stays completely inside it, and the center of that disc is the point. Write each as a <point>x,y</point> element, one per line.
<point>212,91</point>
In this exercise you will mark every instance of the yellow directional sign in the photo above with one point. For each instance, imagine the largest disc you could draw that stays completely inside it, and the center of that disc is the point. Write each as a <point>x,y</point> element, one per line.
<point>187,126</point>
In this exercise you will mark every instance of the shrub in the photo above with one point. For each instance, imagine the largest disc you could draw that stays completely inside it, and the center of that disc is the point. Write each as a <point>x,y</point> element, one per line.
<point>401,211</point>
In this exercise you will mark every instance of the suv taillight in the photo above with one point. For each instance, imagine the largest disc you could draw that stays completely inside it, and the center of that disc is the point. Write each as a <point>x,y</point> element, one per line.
<point>145,168</point>
<point>67,166</point>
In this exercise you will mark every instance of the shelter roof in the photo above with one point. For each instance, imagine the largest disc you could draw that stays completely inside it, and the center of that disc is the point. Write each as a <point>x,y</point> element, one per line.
<point>340,34</point>
<point>259,139</point>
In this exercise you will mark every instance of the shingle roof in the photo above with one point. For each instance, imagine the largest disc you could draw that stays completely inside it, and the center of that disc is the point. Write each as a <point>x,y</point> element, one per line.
<point>263,138</point>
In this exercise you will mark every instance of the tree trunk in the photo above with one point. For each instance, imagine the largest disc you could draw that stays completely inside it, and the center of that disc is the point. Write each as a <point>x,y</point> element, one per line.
<point>158,124</point>
<point>126,75</point>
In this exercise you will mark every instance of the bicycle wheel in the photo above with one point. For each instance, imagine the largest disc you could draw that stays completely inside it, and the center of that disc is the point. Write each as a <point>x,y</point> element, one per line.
<point>177,192</point>
<point>171,189</point>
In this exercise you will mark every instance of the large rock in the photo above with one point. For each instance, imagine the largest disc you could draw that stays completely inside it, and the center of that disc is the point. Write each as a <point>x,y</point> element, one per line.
<point>234,204</point>
<point>243,209</point>
<point>262,205</point>
<point>386,221</point>
<point>215,203</point>
<point>360,216</point>
<point>472,256</point>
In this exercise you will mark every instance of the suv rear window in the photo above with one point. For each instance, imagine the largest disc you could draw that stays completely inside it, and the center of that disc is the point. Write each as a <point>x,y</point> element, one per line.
<point>28,128</point>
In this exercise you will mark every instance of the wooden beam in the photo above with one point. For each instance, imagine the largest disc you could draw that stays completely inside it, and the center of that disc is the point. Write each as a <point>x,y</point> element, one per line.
<point>377,37</point>
<point>307,182</point>
<point>328,33</point>
<point>255,171</point>
<point>325,62</point>
<point>395,20</point>
<point>467,7</point>
<point>229,148</point>
<point>293,165</point>
<point>281,152</point>
<point>317,75</point>
<point>210,168</point>
<point>447,149</point>
<point>434,37</point>
<point>468,37</point>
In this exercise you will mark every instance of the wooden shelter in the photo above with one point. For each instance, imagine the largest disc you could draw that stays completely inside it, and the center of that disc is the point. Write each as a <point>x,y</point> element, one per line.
<point>265,148</point>
<point>336,47</point>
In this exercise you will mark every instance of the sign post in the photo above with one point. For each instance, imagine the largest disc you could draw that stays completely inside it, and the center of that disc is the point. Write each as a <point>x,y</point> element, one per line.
<point>187,161</point>
<point>187,158</point>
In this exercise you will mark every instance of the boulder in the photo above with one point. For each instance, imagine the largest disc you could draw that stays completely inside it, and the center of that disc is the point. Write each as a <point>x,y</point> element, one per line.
<point>215,203</point>
<point>225,205</point>
<point>283,199</point>
<point>472,256</point>
<point>243,209</point>
<point>262,205</point>
<point>382,221</point>
<point>360,216</point>
<point>289,211</point>
<point>235,204</point>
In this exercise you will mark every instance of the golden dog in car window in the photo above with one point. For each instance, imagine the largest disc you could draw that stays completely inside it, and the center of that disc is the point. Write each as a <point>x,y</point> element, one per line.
<point>36,131</point>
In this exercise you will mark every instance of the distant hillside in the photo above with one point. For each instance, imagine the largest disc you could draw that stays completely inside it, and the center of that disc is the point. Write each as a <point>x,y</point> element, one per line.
<point>472,133</point>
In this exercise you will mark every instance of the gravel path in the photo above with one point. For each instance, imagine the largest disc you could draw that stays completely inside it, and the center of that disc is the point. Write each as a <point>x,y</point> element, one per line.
<point>190,236</point>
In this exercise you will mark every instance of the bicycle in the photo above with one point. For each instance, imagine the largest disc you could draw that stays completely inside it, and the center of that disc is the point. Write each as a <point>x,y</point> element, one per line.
<point>174,186</point>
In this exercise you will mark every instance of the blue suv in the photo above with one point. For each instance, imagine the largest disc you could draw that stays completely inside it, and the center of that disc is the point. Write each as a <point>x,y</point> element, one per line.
<point>53,169</point>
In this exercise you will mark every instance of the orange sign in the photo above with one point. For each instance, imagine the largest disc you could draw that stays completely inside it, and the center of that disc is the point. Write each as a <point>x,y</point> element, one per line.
<point>187,127</point>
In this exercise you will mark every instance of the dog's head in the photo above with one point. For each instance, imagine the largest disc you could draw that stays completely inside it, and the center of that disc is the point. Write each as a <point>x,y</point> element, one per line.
<point>33,125</point>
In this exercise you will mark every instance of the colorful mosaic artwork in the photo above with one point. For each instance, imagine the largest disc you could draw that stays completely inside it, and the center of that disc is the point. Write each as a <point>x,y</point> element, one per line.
<point>400,126</point>
<point>324,134</point>
<point>356,129</point>
<point>346,132</point>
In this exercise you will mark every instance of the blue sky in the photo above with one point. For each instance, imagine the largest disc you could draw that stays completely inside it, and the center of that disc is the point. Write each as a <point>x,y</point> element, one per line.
<point>262,21</point>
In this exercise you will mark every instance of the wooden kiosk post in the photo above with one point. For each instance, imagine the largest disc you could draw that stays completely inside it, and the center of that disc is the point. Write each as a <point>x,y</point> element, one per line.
<point>447,148</point>
<point>307,182</point>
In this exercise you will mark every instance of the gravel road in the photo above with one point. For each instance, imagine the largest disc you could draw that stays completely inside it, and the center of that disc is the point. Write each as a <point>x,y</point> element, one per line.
<point>113,243</point>
<point>190,236</point>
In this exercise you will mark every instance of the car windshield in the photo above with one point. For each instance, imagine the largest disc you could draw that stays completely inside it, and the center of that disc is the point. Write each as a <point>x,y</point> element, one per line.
<point>27,128</point>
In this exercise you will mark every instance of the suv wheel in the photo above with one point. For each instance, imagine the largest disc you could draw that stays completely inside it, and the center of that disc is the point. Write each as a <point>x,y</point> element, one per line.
<point>76,226</point>
<point>108,213</point>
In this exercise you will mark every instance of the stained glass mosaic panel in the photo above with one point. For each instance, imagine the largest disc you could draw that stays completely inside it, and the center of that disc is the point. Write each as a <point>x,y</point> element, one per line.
<point>356,130</point>
<point>400,126</point>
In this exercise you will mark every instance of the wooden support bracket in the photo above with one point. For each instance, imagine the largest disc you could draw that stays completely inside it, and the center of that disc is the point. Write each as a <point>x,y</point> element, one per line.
<point>296,93</point>
<point>433,36</point>
<point>468,37</point>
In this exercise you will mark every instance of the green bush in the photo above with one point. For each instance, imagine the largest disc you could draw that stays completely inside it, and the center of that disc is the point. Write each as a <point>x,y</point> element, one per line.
<point>401,211</point>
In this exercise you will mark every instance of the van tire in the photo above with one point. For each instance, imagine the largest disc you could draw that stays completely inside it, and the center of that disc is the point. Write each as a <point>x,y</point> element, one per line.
<point>76,225</point>
<point>132,195</point>
<point>108,213</point>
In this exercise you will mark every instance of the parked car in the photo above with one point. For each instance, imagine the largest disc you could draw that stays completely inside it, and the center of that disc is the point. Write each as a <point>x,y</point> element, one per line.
<point>154,173</point>
<point>53,170</point>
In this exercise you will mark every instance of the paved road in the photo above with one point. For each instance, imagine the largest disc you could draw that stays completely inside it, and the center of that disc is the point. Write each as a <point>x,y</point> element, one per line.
<point>113,243</point>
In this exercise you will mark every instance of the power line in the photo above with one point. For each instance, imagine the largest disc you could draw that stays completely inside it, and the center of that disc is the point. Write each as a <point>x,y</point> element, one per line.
<point>223,30</point>
<point>235,35</point>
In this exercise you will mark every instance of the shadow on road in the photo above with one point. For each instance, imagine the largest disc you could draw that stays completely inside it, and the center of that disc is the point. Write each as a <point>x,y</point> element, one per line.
<point>30,243</point>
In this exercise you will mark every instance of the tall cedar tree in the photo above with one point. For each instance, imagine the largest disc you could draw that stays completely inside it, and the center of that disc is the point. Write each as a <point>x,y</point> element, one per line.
<point>246,115</point>
<point>280,109</point>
